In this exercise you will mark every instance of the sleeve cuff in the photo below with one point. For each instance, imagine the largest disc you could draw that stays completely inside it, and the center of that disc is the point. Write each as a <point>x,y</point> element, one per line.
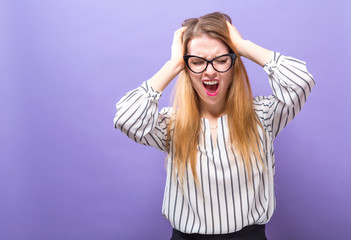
<point>269,67</point>
<point>149,92</point>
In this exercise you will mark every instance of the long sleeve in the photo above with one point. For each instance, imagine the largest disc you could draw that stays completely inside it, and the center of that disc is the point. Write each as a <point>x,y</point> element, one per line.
<point>291,84</point>
<point>138,117</point>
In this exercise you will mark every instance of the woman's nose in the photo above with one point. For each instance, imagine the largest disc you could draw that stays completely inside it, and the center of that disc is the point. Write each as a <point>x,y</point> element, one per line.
<point>210,70</point>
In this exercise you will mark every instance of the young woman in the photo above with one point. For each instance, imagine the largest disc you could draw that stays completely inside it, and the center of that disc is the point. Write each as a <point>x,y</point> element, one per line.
<point>218,138</point>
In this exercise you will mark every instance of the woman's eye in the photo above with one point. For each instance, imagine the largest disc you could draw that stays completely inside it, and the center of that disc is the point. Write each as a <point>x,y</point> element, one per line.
<point>221,61</point>
<point>197,62</point>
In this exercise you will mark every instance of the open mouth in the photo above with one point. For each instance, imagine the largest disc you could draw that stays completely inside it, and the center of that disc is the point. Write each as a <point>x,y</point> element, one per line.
<point>211,86</point>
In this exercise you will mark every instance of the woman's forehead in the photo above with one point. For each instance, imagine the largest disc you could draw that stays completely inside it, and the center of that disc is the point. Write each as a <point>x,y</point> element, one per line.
<point>206,47</point>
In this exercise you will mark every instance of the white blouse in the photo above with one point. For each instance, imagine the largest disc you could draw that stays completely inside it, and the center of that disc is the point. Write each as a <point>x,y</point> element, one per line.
<point>224,201</point>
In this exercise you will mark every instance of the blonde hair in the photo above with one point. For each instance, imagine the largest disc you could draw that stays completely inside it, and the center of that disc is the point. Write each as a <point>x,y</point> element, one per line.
<point>185,121</point>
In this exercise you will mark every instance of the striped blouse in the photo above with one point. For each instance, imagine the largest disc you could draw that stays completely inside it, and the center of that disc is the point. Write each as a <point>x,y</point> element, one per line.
<point>224,201</point>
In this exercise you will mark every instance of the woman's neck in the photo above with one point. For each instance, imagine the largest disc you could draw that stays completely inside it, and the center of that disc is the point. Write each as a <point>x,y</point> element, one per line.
<point>211,111</point>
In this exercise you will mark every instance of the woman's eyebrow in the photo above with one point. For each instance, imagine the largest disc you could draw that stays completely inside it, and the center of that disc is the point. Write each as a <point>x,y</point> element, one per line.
<point>215,56</point>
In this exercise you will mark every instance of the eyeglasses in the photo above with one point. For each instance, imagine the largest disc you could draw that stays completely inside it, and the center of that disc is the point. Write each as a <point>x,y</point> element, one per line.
<point>221,63</point>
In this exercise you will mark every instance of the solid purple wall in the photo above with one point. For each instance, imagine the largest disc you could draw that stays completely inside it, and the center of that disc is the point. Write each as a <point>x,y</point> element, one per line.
<point>66,173</point>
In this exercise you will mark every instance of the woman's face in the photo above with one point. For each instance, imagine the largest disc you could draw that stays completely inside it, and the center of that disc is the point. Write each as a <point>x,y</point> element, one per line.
<point>210,85</point>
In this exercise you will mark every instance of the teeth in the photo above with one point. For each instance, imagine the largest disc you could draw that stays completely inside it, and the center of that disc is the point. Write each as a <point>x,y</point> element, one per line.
<point>210,82</point>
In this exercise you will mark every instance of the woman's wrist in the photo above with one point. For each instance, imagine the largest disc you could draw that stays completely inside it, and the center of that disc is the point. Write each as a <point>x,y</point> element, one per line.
<point>165,75</point>
<point>175,66</point>
<point>255,53</point>
<point>240,47</point>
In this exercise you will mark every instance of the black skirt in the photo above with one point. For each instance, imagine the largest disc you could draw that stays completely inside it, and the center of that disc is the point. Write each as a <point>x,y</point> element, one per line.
<point>252,232</point>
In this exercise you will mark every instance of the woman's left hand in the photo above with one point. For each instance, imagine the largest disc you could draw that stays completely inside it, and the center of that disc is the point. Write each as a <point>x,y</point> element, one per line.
<point>247,48</point>
<point>236,38</point>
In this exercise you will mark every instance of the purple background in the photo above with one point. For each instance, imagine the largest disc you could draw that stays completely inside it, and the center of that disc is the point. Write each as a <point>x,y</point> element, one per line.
<point>66,173</point>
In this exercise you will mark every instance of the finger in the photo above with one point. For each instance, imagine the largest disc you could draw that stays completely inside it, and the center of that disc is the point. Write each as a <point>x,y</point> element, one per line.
<point>230,26</point>
<point>182,29</point>
<point>179,32</point>
<point>234,33</point>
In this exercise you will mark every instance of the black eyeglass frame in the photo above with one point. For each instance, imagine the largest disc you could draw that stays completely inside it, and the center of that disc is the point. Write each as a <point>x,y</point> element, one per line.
<point>232,55</point>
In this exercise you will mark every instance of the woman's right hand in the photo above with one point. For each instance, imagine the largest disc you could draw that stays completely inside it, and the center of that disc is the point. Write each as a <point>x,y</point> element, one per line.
<point>177,48</point>
<point>172,67</point>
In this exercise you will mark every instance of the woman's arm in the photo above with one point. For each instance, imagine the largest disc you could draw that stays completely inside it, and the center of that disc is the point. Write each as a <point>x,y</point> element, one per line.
<point>137,117</point>
<point>137,112</point>
<point>290,81</point>
<point>249,49</point>
<point>291,84</point>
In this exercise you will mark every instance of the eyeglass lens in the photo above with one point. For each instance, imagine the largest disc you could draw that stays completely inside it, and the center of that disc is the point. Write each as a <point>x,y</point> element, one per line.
<point>220,64</point>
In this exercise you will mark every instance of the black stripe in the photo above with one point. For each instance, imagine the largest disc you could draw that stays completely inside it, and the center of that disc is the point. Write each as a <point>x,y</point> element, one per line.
<point>259,196</point>
<point>164,118</point>
<point>151,136</point>
<point>247,191</point>
<point>147,142</point>
<point>303,66</point>
<point>170,185</point>
<point>241,203</point>
<point>274,111</point>
<point>161,140</point>
<point>287,117</point>
<point>224,186</point>
<point>215,170</point>
<point>275,91</point>
<point>231,178</point>
<point>261,110</point>
<point>264,161</point>
<point>293,103</point>
<point>126,99</point>
<point>128,109</point>
<point>181,211</point>
<point>209,182</point>
<point>275,55</point>
<point>280,119</point>
<point>307,73</point>
<point>139,117</point>
<point>261,104</point>
<point>264,144</point>
<point>160,130</point>
<point>202,187</point>
<point>187,183</point>
<point>175,200</point>
<point>303,90</point>
<point>142,87</point>
<point>143,133</point>
<point>197,209</point>
<point>254,194</point>
<point>129,118</point>
<point>295,60</point>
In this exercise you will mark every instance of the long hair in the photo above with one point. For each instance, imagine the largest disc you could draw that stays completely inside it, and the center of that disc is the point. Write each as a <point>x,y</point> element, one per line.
<point>185,125</point>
